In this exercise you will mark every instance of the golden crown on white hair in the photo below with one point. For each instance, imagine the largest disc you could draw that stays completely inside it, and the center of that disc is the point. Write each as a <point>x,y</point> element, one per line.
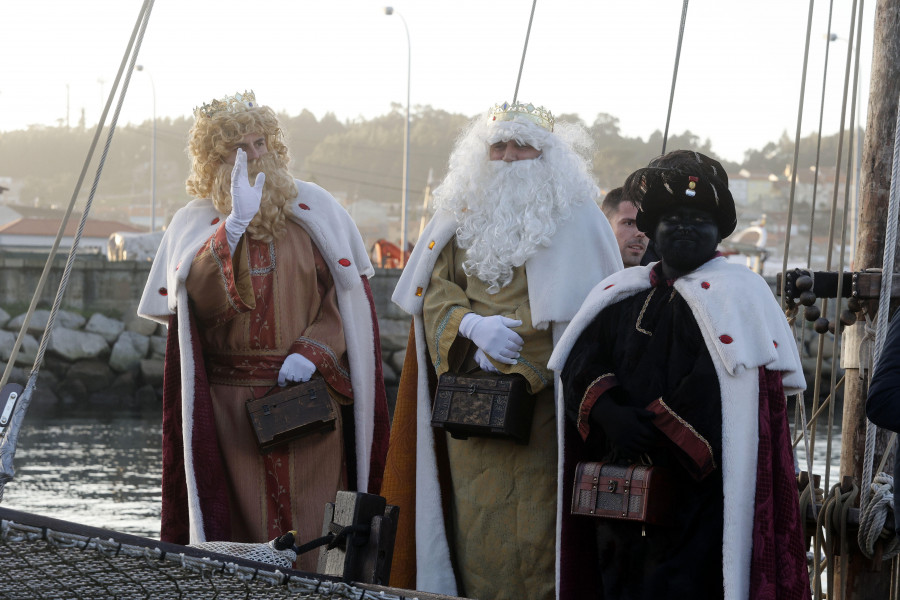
<point>507,112</point>
<point>232,104</point>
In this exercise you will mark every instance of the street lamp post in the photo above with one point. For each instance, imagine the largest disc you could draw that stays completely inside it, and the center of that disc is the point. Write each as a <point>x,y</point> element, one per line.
<point>389,10</point>
<point>152,155</point>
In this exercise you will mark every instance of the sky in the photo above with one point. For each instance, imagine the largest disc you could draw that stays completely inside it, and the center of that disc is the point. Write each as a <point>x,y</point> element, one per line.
<point>738,83</point>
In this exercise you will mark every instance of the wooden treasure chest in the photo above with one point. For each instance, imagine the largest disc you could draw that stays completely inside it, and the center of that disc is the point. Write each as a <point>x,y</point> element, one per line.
<point>290,413</point>
<point>485,405</point>
<point>633,492</point>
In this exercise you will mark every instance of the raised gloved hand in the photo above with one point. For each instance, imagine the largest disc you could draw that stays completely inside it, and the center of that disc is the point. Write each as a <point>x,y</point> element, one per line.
<point>493,335</point>
<point>484,362</point>
<point>629,428</point>
<point>295,367</point>
<point>245,200</point>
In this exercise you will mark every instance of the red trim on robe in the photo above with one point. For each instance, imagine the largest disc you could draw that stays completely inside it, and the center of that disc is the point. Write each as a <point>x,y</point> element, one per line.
<point>336,375</point>
<point>591,395</point>
<point>696,455</point>
<point>218,246</point>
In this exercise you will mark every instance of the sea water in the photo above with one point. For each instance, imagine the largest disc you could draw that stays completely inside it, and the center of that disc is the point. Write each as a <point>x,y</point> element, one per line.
<point>105,470</point>
<point>102,471</point>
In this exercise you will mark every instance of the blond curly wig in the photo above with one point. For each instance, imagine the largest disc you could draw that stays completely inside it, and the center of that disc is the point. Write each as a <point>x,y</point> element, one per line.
<point>213,139</point>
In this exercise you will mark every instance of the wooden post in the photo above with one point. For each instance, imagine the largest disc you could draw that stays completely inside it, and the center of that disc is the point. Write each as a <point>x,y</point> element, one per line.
<point>363,557</point>
<point>861,581</point>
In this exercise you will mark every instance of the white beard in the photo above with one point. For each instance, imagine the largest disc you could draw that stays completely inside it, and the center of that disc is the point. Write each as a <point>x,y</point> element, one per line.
<point>512,210</point>
<point>507,211</point>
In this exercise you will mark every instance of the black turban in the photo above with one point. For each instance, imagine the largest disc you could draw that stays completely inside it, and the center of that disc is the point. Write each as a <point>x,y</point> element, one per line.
<point>682,178</point>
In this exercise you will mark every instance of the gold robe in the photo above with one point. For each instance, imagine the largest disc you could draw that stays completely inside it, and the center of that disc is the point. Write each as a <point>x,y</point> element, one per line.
<point>503,514</point>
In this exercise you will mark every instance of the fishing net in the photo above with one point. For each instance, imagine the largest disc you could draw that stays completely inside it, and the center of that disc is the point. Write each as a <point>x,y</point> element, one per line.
<point>42,562</point>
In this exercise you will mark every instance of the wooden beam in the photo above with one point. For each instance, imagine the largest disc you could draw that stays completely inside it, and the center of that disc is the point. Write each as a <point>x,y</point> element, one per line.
<point>865,284</point>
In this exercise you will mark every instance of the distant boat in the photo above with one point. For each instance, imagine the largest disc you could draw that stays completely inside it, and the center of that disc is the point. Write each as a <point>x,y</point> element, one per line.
<point>751,243</point>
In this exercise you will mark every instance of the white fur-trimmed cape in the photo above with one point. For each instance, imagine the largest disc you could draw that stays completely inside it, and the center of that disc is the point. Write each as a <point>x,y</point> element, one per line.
<point>744,329</point>
<point>583,251</point>
<point>337,238</point>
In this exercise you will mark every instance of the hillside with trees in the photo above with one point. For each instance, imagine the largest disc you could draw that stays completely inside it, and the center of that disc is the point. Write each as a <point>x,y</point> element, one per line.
<point>359,161</point>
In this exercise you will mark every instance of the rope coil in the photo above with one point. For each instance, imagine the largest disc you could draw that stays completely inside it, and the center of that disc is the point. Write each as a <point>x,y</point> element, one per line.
<point>831,527</point>
<point>878,505</point>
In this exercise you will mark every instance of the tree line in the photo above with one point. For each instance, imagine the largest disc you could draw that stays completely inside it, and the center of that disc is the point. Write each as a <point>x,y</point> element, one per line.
<point>354,159</point>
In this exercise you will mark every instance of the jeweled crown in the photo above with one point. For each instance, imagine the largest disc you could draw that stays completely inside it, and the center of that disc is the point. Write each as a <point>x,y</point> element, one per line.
<point>507,112</point>
<point>232,104</point>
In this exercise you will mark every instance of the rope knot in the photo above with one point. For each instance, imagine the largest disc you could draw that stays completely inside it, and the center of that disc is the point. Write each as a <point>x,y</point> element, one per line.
<point>879,504</point>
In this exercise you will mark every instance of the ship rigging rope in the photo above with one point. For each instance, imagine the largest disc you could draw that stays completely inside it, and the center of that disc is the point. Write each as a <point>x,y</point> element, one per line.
<point>876,499</point>
<point>810,438</point>
<point>826,514</point>
<point>684,8</point>
<point>812,212</point>
<point>801,407</point>
<point>854,34</point>
<point>8,441</point>
<point>524,49</point>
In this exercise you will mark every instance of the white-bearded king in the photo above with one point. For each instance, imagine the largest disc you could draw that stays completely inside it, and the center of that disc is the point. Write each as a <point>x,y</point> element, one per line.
<point>261,285</point>
<point>516,243</point>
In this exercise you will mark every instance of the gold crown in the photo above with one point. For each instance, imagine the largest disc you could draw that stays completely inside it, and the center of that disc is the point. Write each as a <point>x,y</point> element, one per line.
<point>232,104</point>
<point>507,112</point>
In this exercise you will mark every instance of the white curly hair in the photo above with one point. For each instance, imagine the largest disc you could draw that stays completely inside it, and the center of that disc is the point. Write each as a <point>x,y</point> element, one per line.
<point>506,211</point>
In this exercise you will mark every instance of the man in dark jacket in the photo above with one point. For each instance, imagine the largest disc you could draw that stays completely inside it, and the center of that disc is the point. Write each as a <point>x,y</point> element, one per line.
<point>883,404</point>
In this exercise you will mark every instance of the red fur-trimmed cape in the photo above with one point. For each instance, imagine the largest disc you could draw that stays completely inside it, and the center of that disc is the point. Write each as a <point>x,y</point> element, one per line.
<point>191,484</point>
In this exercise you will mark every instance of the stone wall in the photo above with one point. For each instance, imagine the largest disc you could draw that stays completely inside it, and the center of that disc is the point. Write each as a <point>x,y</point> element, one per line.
<point>126,369</point>
<point>101,353</point>
<point>95,284</point>
<point>89,363</point>
<point>393,326</point>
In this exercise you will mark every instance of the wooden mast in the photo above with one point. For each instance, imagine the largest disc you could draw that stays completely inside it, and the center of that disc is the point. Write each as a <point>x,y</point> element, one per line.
<point>865,578</point>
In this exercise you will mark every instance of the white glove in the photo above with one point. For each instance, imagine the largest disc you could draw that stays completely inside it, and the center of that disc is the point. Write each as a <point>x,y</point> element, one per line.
<point>493,335</point>
<point>484,362</point>
<point>296,367</point>
<point>245,200</point>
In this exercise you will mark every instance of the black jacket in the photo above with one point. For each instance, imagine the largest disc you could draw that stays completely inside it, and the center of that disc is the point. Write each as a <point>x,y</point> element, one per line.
<point>883,403</point>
